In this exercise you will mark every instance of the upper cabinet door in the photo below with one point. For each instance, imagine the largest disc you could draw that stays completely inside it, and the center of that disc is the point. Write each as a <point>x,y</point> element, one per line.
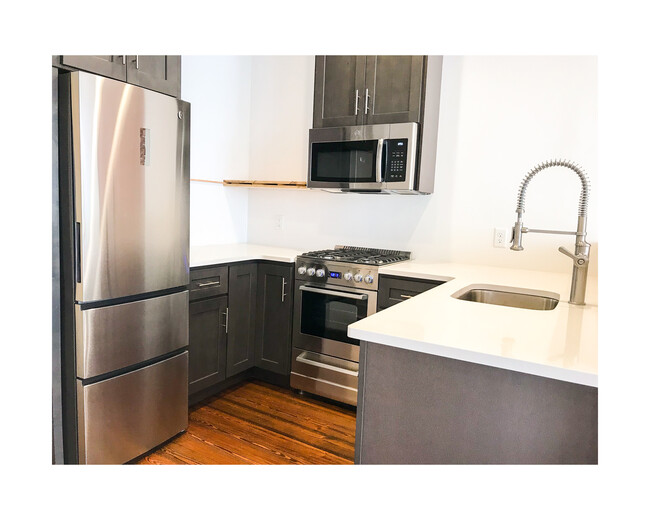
<point>110,66</point>
<point>159,73</point>
<point>394,89</point>
<point>338,90</point>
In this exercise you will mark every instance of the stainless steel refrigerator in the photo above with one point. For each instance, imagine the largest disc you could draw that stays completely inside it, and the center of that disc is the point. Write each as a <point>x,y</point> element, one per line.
<point>128,217</point>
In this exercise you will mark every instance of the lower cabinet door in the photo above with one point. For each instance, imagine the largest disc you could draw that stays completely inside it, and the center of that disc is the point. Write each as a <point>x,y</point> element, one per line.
<point>207,342</point>
<point>274,313</point>
<point>241,322</point>
<point>125,416</point>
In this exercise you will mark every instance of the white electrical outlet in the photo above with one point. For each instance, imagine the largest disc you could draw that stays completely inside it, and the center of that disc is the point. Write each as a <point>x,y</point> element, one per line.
<point>279,222</point>
<point>500,237</point>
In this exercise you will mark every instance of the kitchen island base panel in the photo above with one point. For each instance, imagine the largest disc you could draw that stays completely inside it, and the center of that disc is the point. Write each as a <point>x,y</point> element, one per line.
<point>417,408</point>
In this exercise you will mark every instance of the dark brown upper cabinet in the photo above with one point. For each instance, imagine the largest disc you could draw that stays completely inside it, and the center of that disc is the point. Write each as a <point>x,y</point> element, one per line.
<point>110,66</point>
<point>159,73</point>
<point>365,90</point>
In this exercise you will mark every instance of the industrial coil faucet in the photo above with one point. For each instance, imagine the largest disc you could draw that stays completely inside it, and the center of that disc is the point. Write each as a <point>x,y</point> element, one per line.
<point>581,254</point>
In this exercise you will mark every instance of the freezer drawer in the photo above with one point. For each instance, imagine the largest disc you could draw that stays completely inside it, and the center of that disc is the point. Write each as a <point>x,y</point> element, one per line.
<point>131,188</point>
<point>126,416</point>
<point>114,337</point>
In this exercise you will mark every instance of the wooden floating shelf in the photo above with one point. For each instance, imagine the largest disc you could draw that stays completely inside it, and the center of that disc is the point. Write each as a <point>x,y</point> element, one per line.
<point>258,184</point>
<point>265,184</point>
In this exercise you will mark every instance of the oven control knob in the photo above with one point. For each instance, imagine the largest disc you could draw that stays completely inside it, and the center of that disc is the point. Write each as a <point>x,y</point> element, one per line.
<point>369,278</point>
<point>320,273</point>
<point>311,271</point>
<point>358,277</point>
<point>348,276</point>
<point>302,269</point>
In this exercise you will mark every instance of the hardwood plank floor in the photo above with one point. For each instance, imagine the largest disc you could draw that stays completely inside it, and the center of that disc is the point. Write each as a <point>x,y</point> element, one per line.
<point>258,423</point>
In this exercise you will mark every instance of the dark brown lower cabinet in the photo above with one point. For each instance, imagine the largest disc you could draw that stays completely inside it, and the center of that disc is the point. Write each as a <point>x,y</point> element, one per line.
<point>240,318</point>
<point>242,286</point>
<point>417,408</point>
<point>274,313</point>
<point>207,342</point>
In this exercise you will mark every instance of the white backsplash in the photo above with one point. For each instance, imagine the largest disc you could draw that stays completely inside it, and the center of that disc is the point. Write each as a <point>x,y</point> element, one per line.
<point>500,116</point>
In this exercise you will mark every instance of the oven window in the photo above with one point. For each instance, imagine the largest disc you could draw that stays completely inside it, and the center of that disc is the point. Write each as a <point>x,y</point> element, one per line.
<point>328,316</point>
<point>352,161</point>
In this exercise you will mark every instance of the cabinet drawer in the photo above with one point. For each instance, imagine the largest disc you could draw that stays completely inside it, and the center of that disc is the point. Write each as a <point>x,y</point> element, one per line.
<point>209,281</point>
<point>393,289</point>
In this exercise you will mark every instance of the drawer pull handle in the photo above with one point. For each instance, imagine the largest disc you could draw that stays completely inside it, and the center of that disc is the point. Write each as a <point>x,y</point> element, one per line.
<point>303,358</point>
<point>205,284</point>
<point>406,295</point>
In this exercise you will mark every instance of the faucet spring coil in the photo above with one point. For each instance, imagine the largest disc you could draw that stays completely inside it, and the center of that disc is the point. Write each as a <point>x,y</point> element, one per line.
<point>584,193</point>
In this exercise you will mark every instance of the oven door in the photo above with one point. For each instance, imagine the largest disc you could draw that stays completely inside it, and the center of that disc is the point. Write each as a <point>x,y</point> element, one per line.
<point>323,314</point>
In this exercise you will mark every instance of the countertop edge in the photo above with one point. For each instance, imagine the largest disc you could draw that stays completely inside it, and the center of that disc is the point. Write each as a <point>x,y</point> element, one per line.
<point>516,365</point>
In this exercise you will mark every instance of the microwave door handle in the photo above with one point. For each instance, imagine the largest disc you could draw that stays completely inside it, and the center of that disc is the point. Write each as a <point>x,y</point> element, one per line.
<point>352,296</point>
<point>379,168</point>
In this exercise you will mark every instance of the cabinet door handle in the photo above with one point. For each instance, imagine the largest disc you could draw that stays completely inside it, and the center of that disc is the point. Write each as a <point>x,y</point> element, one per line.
<point>367,99</point>
<point>137,62</point>
<point>226,324</point>
<point>356,102</point>
<point>205,284</point>
<point>284,283</point>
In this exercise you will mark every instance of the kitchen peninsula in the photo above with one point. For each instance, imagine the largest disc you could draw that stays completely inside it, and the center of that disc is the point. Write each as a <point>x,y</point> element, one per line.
<point>443,380</point>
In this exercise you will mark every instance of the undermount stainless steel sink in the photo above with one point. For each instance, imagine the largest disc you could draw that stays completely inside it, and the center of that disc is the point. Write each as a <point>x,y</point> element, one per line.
<point>509,297</point>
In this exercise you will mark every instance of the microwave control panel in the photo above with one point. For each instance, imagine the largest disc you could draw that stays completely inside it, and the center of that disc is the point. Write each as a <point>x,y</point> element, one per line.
<point>396,150</point>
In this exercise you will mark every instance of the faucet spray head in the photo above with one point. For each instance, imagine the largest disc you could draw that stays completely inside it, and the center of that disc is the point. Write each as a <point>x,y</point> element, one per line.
<point>517,234</point>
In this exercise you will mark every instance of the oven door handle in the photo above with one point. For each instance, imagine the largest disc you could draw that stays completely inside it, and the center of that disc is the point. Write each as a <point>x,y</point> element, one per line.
<point>302,358</point>
<point>352,296</point>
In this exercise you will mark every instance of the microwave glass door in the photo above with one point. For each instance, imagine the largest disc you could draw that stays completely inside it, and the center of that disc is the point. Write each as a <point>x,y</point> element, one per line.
<point>347,161</point>
<point>328,315</point>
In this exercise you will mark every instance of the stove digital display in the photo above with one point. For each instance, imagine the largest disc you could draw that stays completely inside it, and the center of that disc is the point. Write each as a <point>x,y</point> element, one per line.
<point>334,274</point>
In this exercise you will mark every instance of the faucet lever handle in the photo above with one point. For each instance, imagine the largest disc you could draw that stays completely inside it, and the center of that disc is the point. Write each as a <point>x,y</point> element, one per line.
<point>579,259</point>
<point>564,250</point>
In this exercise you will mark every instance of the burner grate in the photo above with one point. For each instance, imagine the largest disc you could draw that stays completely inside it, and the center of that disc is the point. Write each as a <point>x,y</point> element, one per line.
<point>360,255</point>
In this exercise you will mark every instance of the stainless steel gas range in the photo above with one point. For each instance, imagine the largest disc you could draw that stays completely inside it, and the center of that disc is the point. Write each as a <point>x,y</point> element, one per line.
<point>334,288</point>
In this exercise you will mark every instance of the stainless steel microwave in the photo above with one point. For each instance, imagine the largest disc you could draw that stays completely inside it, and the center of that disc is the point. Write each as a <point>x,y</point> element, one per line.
<point>369,158</point>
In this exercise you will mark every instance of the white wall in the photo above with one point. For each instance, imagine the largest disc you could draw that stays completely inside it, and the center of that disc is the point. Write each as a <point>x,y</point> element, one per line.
<point>218,88</point>
<point>282,97</point>
<point>500,116</point>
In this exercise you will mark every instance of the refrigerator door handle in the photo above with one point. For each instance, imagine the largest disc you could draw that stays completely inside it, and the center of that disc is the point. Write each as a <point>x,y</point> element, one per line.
<point>77,252</point>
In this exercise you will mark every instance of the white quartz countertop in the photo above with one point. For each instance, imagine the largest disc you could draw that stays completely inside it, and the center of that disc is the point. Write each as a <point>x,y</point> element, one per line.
<point>561,343</point>
<point>226,253</point>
